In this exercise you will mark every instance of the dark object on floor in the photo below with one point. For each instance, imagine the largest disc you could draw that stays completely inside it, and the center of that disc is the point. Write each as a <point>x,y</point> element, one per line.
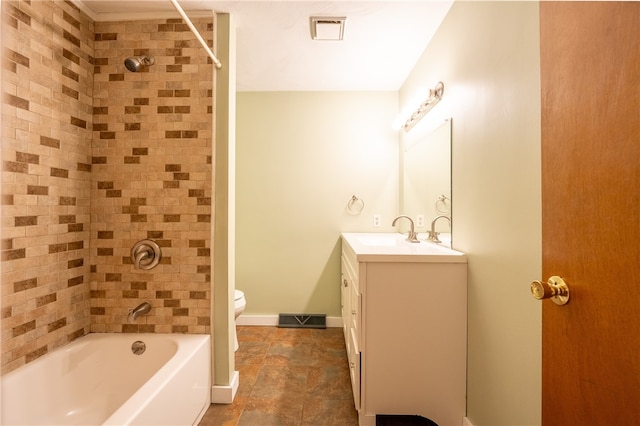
<point>398,420</point>
<point>302,320</point>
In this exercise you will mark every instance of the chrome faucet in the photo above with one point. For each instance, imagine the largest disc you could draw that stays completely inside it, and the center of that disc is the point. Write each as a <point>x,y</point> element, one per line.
<point>411,236</point>
<point>433,235</point>
<point>141,309</point>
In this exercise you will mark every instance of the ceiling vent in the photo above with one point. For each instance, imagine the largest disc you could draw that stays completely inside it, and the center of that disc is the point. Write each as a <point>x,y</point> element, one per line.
<point>327,28</point>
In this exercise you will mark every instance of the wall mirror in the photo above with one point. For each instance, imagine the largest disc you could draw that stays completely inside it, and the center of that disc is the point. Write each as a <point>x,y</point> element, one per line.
<point>425,181</point>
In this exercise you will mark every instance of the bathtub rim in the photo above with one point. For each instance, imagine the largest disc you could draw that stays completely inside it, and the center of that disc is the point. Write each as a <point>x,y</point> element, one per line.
<point>150,389</point>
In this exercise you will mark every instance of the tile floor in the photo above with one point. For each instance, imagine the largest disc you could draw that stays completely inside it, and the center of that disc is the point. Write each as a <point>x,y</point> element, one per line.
<point>289,376</point>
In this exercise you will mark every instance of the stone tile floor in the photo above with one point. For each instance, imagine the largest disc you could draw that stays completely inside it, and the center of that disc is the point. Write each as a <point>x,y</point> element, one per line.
<point>289,376</point>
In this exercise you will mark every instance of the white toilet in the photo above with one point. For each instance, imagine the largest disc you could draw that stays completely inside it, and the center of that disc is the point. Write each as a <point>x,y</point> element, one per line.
<point>239,304</point>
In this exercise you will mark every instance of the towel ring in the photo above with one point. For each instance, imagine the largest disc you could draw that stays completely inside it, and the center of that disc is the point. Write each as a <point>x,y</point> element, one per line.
<point>441,204</point>
<point>355,205</point>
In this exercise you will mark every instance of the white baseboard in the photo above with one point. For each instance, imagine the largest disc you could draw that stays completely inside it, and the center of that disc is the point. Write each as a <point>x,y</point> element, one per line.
<point>272,320</point>
<point>466,421</point>
<point>225,394</point>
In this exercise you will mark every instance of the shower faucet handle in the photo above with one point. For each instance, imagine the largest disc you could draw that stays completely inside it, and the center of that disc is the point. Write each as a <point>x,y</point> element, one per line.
<point>146,254</point>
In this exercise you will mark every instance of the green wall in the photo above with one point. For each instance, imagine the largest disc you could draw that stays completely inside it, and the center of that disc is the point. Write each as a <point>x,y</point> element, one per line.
<point>487,54</point>
<point>300,158</point>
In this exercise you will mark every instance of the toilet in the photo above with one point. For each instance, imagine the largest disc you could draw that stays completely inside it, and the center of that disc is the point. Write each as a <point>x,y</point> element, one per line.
<point>239,303</point>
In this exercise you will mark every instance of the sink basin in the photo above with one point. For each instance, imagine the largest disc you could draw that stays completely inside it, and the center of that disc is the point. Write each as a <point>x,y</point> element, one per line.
<point>394,247</point>
<point>384,240</point>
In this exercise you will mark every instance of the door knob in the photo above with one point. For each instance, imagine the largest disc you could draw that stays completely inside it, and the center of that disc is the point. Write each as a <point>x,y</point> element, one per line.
<point>555,289</point>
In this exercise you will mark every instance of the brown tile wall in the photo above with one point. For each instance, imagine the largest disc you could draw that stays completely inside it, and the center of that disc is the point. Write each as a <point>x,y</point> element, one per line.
<point>151,176</point>
<point>47,74</point>
<point>95,158</point>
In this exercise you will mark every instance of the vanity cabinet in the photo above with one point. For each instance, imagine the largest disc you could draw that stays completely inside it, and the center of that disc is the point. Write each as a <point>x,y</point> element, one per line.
<point>404,313</point>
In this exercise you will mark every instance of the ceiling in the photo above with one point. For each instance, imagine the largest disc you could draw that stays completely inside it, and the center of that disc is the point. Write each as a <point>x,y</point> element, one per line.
<point>275,52</point>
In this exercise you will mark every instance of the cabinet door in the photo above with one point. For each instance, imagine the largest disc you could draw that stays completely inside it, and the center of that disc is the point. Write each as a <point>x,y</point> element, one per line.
<point>351,322</point>
<point>355,317</point>
<point>354,367</point>
<point>345,307</point>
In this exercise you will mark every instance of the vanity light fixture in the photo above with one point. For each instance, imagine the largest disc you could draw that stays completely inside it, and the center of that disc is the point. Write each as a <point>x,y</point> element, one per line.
<point>435,95</point>
<point>327,28</point>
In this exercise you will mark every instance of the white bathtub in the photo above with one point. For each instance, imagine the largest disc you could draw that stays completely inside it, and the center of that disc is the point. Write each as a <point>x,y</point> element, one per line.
<point>98,380</point>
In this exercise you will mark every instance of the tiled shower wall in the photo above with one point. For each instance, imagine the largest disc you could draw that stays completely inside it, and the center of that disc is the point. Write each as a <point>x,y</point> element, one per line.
<point>47,76</point>
<point>151,176</point>
<point>88,168</point>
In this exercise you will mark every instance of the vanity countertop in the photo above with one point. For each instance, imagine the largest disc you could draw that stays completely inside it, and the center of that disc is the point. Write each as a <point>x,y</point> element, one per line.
<point>393,247</point>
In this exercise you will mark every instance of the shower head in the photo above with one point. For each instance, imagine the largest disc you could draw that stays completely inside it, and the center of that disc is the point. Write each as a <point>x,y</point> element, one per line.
<point>134,63</point>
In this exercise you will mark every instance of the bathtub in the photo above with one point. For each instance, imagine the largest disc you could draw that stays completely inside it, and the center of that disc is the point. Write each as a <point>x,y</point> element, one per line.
<point>97,379</point>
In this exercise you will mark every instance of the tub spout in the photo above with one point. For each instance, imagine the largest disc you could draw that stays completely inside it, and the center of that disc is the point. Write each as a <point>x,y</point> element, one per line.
<point>141,309</point>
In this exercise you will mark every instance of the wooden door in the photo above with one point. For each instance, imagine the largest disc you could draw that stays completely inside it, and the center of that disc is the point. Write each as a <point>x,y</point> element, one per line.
<point>590,76</point>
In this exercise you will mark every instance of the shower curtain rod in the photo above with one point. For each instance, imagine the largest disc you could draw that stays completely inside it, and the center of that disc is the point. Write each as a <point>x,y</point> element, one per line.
<point>195,32</point>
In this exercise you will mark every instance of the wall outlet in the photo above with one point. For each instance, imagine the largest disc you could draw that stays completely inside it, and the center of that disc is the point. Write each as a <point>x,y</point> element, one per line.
<point>377,220</point>
<point>420,220</point>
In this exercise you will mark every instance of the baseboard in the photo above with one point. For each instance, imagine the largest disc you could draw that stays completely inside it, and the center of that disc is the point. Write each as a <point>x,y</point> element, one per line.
<point>466,421</point>
<point>272,320</point>
<point>225,394</point>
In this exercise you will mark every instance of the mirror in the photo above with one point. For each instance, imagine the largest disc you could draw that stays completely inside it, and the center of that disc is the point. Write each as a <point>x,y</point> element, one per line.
<point>425,184</point>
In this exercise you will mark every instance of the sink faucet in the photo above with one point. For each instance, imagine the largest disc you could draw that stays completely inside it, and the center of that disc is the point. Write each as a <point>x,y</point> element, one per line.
<point>411,236</point>
<point>433,235</point>
<point>141,309</point>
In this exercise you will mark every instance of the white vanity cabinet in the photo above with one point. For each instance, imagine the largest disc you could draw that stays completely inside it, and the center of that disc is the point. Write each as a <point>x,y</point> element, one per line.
<point>351,323</point>
<point>404,312</point>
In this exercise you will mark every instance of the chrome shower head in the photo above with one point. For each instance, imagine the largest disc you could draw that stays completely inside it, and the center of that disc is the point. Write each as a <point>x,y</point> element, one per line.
<point>134,63</point>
